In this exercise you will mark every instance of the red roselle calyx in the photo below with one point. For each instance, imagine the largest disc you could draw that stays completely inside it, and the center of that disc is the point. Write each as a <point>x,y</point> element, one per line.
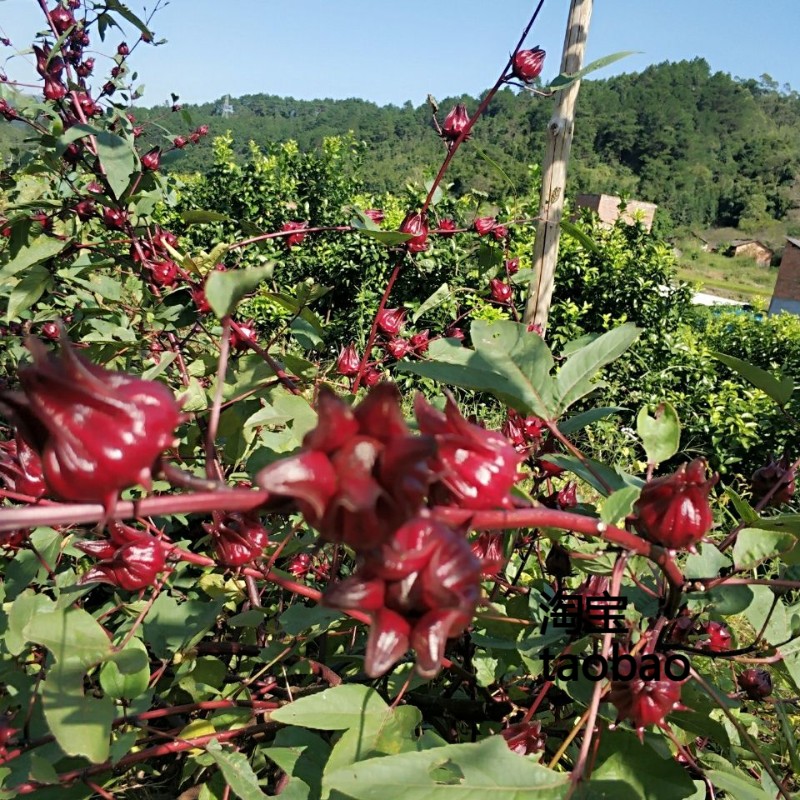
<point>163,273</point>
<point>21,468</point>
<point>239,539</point>
<point>772,474</point>
<point>674,511</point>
<point>61,18</point>
<point>391,321</point>
<point>419,341</point>
<point>246,333</point>
<point>512,266</point>
<point>375,214</point>
<point>717,637</point>
<point>115,218</point>
<point>501,291</point>
<point>477,467</point>
<point>372,376</point>
<point>755,683</point>
<point>151,160</point>
<point>398,347</point>
<point>484,225</point>
<point>455,123</point>
<point>294,239</point>
<point>447,227</point>
<point>85,210</point>
<point>130,559</point>
<point>527,64</point>
<point>361,473</point>
<point>645,702</point>
<point>421,588</point>
<point>348,362</point>
<point>97,432</point>
<point>525,738</point>
<point>417,225</point>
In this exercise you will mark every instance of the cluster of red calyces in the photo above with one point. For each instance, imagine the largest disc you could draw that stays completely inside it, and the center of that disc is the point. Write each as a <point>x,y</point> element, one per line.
<point>95,431</point>
<point>21,468</point>
<point>154,254</point>
<point>525,738</point>
<point>674,511</point>
<point>129,559</point>
<point>239,539</point>
<point>362,478</point>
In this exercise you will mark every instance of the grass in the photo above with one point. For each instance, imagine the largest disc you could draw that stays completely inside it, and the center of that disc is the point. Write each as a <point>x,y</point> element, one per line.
<point>734,278</point>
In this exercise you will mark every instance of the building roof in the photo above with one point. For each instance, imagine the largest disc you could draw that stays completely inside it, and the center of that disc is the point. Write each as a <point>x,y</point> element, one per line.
<point>795,242</point>
<point>740,242</point>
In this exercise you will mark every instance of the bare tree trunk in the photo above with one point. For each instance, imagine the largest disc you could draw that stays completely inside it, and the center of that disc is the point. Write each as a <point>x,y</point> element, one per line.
<point>554,170</point>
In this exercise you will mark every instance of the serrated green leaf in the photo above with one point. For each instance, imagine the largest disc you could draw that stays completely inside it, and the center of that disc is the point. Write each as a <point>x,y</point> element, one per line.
<point>780,390</point>
<point>335,709</point>
<point>753,546</point>
<point>619,504</point>
<point>40,249</point>
<point>236,770</point>
<point>660,434</point>
<point>225,289</point>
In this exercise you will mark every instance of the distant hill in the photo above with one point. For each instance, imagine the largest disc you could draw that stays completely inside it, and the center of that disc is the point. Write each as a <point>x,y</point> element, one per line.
<point>708,148</point>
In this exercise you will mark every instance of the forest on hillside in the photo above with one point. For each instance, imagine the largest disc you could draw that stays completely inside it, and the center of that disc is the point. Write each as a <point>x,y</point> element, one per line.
<point>710,149</point>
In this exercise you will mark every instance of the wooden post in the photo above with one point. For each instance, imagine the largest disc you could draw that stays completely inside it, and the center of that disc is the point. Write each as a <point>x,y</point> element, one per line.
<point>554,169</point>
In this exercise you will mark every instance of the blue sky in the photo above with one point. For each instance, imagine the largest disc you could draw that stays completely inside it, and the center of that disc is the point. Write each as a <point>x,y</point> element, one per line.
<point>390,52</point>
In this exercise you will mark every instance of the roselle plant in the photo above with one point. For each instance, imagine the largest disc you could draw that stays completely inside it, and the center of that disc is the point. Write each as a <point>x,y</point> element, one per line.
<point>225,543</point>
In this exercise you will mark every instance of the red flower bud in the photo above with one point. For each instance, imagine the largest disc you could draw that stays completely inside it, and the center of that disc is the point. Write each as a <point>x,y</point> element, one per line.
<point>151,160</point>
<point>81,102</point>
<point>674,510</point>
<point>499,232</point>
<point>454,332</point>
<point>200,300</point>
<point>163,273</point>
<point>375,214</point>
<point>239,539</point>
<point>54,89</point>
<point>97,432</point>
<point>484,225</point>
<point>512,266</point>
<point>21,468</point>
<point>456,123</point>
<point>398,347</point>
<point>447,227</point>
<point>8,112</point>
<point>294,238</point>
<point>645,702</point>
<point>525,738</point>
<point>300,565</point>
<point>717,637</point>
<point>61,18</point>
<point>501,292</point>
<point>372,376</point>
<point>417,225</point>
<point>536,327</point>
<point>179,142</point>
<point>527,64</point>
<point>477,467</point>
<point>568,496</point>
<point>115,218</point>
<point>488,548</point>
<point>246,333</point>
<point>391,321</point>
<point>51,331</point>
<point>774,473</point>
<point>122,49</point>
<point>85,210</point>
<point>137,131</point>
<point>132,565</point>
<point>419,342</point>
<point>755,683</point>
<point>85,68</point>
<point>348,361</point>
<point>194,137</point>
<point>202,130</point>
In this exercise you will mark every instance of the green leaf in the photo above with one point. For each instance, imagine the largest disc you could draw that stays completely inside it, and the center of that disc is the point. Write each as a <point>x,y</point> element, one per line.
<point>566,79</point>
<point>580,421</point>
<point>442,294</point>
<point>661,434</point>
<point>126,675</point>
<point>595,473</point>
<point>743,508</point>
<point>619,504</point>
<point>586,241</point>
<point>335,709</point>
<point>117,157</point>
<point>780,390</point>
<point>783,522</point>
<point>707,563</point>
<point>27,291</point>
<point>197,216</point>
<point>737,786</point>
<point>572,381</point>
<point>302,755</point>
<point>225,289</point>
<point>753,546</point>
<point>389,238</point>
<point>127,14</point>
<point>489,769</point>
<point>237,772</point>
<point>40,249</point>
<point>437,195</point>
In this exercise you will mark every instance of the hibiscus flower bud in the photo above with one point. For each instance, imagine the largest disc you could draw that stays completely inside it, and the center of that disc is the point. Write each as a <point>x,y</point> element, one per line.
<point>151,160</point>
<point>674,511</point>
<point>246,333</point>
<point>447,227</point>
<point>391,321</point>
<point>417,225</point>
<point>512,266</point>
<point>419,341</point>
<point>8,112</point>
<point>115,218</point>
<point>478,467</point>
<point>97,432</point>
<point>200,300</point>
<point>488,548</point>
<point>645,702</point>
<point>201,130</point>
<point>527,64</point>
<point>525,738</point>
<point>501,291</point>
<point>372,376</point>
<point>85,68</point>
<point>239,539</point>
<point>499,232</point>
<point>717,637</point>
<point>133,566</point>
<point>484,225</point>
<point>454,332</point>
<point>85,210</point>
<point>398,347</point>
<point>163,273</point>
<point>558,562</point>
<point>568,496</point>
<point>755,683</point>
<point>535,327</point>
<point>54,89</point>
<point>21,468</point>
<point>61,18</point>
<point>772,474</point>
<point>123,50</point>
<point>456,123</point>
<point>348,361</point>
<point>179,142</point>
<point>375,214</point>
<point>512,430</point>
<point>294,239</point>
<point>51,331</point>
<point>300,565</point>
